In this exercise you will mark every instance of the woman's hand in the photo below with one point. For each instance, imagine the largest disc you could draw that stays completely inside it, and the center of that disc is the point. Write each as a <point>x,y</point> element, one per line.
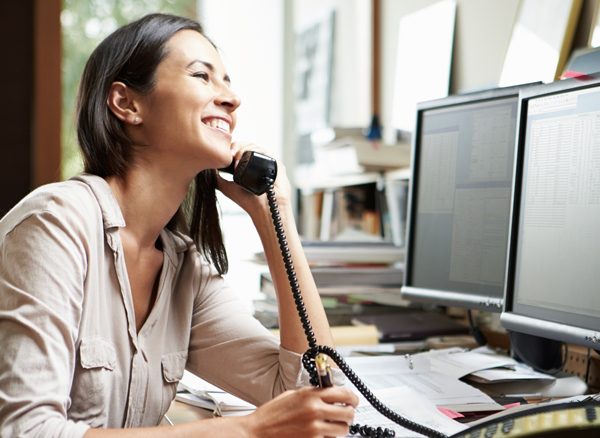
<point>306,412</point>
<point>248,201</point>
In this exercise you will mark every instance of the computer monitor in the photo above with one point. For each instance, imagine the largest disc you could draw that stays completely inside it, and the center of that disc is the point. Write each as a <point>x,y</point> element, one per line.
<point>553,270</point>
<point>459,199</point>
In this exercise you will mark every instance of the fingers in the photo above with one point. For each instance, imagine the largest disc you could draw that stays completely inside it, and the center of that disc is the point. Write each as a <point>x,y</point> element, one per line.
<point>339,394</point>
<point>338,413</point>
<point>238,149</point>
<point>332,429</point>
<point>335,407</point>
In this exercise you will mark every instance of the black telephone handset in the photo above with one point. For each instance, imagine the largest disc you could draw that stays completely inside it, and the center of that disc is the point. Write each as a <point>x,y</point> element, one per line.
<point>255,172</point>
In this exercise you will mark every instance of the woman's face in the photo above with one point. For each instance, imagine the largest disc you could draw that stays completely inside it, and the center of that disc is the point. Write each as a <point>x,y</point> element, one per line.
<point>189,115</point>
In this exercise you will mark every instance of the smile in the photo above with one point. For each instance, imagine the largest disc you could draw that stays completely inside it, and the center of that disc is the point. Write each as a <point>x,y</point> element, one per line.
<point>217,123</point>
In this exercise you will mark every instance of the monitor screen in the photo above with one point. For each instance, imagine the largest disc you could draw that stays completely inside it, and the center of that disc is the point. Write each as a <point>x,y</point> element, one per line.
<point>459,204</point>
<point>553,276</point>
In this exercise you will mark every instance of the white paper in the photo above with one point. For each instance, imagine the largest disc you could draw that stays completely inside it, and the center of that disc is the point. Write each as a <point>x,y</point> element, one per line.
<point>395,372</point>
<point>519,372</point>
<point>410,404</point>
<point>458,364</point>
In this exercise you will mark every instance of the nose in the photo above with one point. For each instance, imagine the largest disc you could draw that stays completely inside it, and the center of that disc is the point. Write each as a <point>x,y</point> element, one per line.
<point>228,99</point>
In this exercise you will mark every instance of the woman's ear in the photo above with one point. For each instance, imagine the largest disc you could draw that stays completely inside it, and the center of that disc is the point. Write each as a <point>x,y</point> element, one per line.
<point>123,103</point>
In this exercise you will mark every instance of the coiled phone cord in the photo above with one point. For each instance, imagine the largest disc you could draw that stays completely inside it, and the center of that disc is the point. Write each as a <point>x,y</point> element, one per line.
<point>308,358</point>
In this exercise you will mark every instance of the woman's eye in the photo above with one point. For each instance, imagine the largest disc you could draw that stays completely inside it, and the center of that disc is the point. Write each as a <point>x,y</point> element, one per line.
<point>201,75</point>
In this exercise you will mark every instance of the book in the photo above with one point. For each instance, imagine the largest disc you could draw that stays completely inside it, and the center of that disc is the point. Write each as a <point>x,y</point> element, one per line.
<point>343,253</point>
<point>217,402</point>
<point>390,276</point>
<point>195,391</point>
<point>378,284</point>
<point>411,326</point>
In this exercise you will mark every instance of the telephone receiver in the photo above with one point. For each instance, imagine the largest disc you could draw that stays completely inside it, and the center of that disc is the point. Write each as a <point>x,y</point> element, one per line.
<point>255,172</point>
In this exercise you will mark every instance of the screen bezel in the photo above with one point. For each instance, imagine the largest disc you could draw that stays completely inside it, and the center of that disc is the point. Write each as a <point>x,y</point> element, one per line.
<point>437,296</point>
<point>512,316</point>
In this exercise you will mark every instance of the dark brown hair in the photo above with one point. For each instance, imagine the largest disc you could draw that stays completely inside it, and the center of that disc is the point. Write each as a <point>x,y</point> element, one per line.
<point>131,55</point>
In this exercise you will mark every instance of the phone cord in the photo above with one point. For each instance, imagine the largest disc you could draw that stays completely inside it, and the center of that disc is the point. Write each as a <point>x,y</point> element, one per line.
<point>308,358</point>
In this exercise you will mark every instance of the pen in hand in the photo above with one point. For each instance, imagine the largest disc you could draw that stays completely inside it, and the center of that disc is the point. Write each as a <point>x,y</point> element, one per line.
<point>323,371</point>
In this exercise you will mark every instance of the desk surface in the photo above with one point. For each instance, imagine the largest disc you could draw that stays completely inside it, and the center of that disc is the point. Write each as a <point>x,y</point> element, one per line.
<point>180,413</point>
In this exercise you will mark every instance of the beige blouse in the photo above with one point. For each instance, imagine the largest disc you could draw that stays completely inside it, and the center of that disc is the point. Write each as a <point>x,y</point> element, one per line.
<point>71,357</point>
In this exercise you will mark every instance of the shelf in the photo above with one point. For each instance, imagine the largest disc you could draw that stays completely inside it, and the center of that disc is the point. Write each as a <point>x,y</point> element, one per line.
<point>311,183</point>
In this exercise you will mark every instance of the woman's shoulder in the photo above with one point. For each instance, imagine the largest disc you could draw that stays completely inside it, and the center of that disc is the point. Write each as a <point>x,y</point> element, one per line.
<point>71,201</point>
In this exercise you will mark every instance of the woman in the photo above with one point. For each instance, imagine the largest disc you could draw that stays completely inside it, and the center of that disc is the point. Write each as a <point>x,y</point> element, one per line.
<point>107,293</point>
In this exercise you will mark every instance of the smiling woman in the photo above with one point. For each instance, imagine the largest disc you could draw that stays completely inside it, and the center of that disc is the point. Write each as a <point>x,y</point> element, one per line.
<point>136,240</point>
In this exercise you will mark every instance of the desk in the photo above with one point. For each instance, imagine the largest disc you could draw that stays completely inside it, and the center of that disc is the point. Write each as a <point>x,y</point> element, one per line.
<point>180,413</point>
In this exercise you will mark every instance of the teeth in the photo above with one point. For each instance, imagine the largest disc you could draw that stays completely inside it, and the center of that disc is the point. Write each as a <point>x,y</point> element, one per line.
<point>219,124</point>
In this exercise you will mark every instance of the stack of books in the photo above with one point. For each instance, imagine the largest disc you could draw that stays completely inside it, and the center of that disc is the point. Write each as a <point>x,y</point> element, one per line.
<point>354,283</point>
<point>352,278</point>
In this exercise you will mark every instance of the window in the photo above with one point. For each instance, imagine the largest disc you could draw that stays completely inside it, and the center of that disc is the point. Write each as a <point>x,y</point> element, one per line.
<point>84,25</point>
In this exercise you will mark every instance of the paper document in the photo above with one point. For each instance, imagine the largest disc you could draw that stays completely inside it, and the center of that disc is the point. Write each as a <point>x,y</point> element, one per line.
<point>559,387</point>
<point>410,404</point>
<point>519,372</point>
<point>398,372</point>
<point>459,363</point>
<point>366,349</point>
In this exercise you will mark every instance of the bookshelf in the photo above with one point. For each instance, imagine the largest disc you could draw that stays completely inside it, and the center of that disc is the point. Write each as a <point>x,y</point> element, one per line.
<point>369,206</point>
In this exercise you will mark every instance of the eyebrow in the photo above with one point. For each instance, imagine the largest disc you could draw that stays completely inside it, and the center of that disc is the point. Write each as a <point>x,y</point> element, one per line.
<point>209,66</point>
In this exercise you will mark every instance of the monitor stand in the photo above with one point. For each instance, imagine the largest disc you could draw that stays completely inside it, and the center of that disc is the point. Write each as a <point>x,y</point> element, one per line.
<point>542,354</point>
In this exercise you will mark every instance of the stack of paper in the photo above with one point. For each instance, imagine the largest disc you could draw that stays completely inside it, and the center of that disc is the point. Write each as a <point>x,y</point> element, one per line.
<point>197,392</point>
<point>410,404</point>
<point>415,372</point>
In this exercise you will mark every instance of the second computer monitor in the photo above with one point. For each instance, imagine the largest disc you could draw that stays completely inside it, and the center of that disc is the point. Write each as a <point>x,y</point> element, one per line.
<point>459,201</point>
<point>553,275</point>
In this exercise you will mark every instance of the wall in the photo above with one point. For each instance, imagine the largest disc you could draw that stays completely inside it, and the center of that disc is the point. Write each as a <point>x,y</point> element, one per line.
<point>483,29</point>
<point>30,114</point>
<point>249,36</point>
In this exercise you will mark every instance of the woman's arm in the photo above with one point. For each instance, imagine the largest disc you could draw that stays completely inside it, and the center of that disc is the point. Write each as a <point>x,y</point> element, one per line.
<point>291,330</point>
<point>307,412</point>
<point>229,426</point>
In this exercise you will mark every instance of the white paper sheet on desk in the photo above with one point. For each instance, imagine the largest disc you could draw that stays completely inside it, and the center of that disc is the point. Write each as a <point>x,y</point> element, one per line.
<point>520,372</point>
<point>458,364</point>
<point>395,372</point>
<point>410,404</point>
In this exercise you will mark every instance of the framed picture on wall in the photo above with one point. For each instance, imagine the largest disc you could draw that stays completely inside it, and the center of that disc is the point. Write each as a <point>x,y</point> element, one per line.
<point>314,55</point>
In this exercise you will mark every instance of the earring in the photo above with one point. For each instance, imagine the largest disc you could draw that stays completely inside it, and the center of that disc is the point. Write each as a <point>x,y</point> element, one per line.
<point>137,120</point>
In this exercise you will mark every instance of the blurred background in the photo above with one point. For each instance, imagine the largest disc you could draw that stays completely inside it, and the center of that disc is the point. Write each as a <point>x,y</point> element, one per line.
<point>329,86</point>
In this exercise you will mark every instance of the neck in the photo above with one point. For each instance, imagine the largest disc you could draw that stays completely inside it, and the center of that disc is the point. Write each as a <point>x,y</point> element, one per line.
<point>148,200</point>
